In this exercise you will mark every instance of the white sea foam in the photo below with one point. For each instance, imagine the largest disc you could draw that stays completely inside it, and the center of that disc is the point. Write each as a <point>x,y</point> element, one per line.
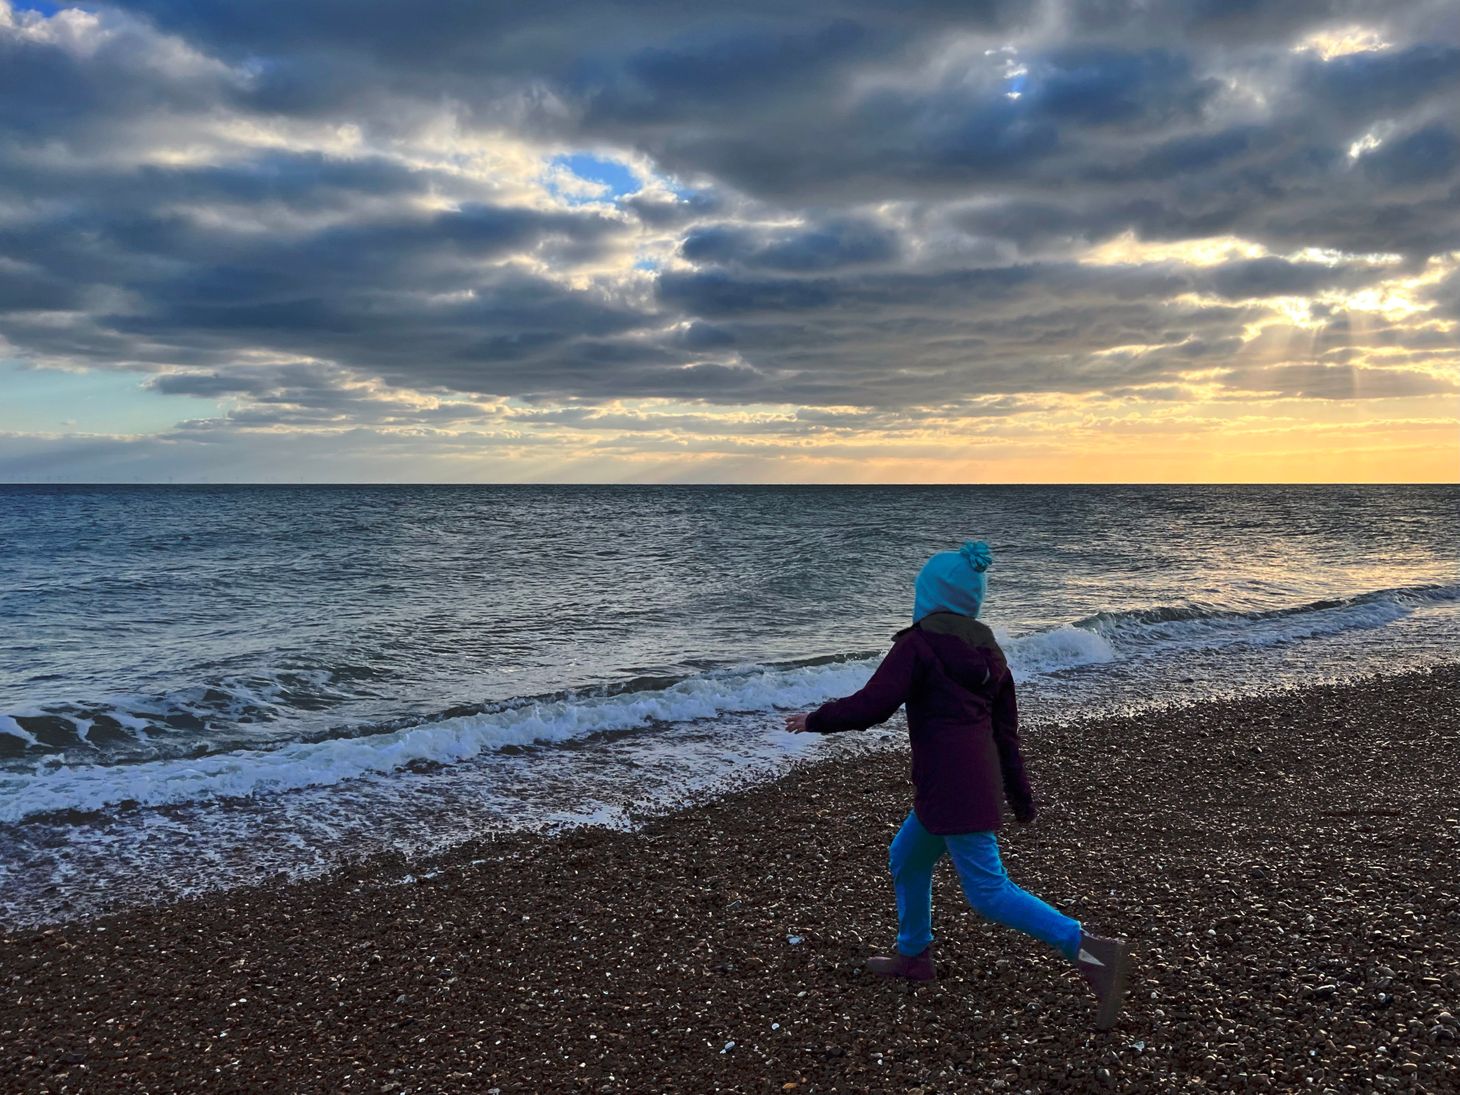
<point>1174,628</point>
<point>1063,647</point>
<point>13,728</point>
<point>135,725</point>
<point>448,741</point>
<point>298,765</point>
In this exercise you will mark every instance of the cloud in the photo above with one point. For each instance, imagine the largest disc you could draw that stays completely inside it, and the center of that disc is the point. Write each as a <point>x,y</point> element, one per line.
<point>1273,277</point>
<point>326,215</point>
<point>1426,155</point>
<point>1383,82</point>
<point>1336,382</point>
<point>833,244</point>
<point>206,385</point>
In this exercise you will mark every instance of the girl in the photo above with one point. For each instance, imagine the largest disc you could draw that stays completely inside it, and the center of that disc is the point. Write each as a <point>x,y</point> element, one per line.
<point>962,721</point>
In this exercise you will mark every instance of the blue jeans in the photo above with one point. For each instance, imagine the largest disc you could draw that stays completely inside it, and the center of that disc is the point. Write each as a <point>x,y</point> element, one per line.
<point>914,854</point>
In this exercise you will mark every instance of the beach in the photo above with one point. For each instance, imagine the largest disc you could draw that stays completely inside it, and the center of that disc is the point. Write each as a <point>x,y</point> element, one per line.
<point>1284,865</point>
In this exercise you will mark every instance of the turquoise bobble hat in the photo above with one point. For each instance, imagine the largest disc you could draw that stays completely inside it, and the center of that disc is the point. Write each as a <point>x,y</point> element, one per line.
<point>953,581</point>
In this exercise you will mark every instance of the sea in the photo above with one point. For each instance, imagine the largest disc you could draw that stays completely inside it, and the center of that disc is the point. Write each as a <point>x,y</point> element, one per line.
<point>203,687</point>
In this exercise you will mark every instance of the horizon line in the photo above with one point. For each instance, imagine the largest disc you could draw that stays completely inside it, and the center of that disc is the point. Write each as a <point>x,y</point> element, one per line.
<point>744,485</point>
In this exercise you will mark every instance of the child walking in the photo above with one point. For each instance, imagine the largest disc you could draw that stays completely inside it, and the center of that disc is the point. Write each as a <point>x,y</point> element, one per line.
<point>962,720</point>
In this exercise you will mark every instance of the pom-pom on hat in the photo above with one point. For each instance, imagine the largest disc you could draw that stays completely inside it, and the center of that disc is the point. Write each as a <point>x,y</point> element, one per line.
<point>953,581</point>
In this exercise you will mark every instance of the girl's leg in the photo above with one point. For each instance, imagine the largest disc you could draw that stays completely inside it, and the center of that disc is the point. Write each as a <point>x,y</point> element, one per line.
<point>912,857</point>
<point>996,898</point>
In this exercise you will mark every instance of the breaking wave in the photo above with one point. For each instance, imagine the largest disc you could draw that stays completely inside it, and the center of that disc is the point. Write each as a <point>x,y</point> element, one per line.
<point>53,785</point>
<point>1185,627</point>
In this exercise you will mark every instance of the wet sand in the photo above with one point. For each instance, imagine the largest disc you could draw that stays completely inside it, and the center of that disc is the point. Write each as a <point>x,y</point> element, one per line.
<point>1287,868</point>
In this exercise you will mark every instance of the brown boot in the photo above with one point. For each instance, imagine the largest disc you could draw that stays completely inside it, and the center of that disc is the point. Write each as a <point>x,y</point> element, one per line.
<point>917,968</point>
<point>1104,964</point>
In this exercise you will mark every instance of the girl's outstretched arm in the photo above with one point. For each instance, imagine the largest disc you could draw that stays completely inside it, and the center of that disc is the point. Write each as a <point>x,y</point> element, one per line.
<point>878,699</point>
<point>1011,760</point>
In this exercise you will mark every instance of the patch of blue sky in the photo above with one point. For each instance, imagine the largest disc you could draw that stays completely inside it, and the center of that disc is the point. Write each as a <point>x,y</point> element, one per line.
<point>673,407</point>
<point>96,401</point>
<point>1015,71</point>
<point>614,177</point>
<point>45,7</point>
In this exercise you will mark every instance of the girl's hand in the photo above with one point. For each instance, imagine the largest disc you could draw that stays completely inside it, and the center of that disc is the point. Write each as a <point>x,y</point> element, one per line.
<point>796,724</point>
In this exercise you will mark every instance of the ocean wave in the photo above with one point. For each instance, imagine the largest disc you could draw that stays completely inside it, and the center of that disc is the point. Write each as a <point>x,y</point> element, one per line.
<point>456,738</point>
<point>134,723</point>
<point>1172,627</point>
<point>461,734</point>
<point>452,740</point>
<point>13,729</point>
<point>1065,647</point>
<point>229,711</point>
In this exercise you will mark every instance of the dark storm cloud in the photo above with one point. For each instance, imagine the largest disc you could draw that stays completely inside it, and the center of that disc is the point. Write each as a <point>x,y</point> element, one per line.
<point>830,245</point>
<point>857,203</point>
<point>989,293</point>
<point>187,267</point>
<point>304,395</point>
<point>1446,295</point>
<point>515,334</point>
<point>1378,83</point>
<point>529,38</point>
<point>207,385</point>
<point>1336,382</point>
<point>661,212</point>
<point>25,288</point>
<point>981,332</point>
<point>1275,277</point>
<point>1107,87</point>
<point>702,76</point>
<point>1221,22</point>
<point>894,139</point>
<point>1422,156</point>
<point>300,181</point>
<point>54,93</point>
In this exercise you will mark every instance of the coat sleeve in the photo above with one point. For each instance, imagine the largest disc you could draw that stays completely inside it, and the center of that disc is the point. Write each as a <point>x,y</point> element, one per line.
<point>879,698</point>
<point>1011,760</point>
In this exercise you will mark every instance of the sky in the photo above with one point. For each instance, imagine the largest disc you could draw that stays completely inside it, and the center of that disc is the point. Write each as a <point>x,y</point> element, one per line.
<point>934,241</point>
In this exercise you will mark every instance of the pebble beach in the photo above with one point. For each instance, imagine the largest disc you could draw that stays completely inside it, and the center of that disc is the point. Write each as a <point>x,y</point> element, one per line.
<point>1284,865</point>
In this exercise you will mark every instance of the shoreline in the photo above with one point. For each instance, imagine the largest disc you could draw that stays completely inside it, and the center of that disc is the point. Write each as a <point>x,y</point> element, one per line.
<point>70,911</point>
<point>605,960</point>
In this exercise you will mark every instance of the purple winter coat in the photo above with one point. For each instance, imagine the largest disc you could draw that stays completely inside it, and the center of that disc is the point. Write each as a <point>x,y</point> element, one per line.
<point>962,720</point>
